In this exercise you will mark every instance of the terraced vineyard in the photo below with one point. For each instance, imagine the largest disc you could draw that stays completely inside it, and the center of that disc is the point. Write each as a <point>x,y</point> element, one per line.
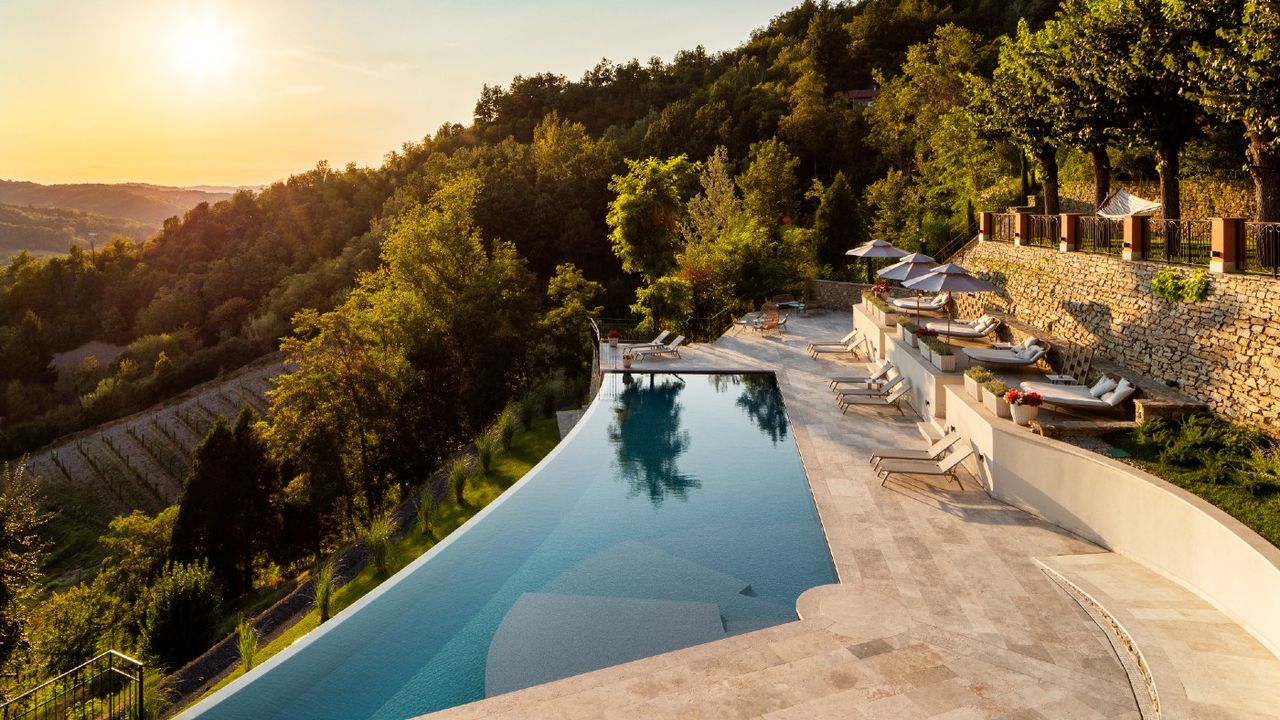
<point>138,462</point>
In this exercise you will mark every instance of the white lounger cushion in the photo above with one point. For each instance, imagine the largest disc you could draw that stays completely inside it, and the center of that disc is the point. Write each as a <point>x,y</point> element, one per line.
<point>993,356</point>
<point>1117,396</point>
<point>1079,395</point>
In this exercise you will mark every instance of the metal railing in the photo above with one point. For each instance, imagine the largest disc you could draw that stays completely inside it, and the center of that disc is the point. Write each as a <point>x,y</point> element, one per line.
<point>1043,231</point>
<point>1100,235</point>
<point>1003,227</point>
<point>109,687</point>
<point>1182,242</point>
<point>1259,251</point>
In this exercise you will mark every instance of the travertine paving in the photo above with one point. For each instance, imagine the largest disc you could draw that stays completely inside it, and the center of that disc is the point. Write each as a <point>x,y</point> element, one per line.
<point>942,611</point>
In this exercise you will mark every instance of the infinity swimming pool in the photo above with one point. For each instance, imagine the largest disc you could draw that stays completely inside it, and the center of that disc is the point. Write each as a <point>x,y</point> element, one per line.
<point>677,512</point>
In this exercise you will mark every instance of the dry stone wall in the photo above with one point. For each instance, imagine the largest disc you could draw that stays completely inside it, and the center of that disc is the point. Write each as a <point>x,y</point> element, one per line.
<point>1224,351</point>
<point>833,295</point>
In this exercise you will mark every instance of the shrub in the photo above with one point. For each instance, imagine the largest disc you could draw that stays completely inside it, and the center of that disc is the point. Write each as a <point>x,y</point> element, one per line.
<point>528,409</point>
<point>426,508</point>
<point>323,590</point>
<point>937,345</point>
<point>459,472</point>
<point>907,323</point>
<point>486,447</point>
<point>979,374</point>
<point>1198,436</point>
<point>995,387</point>
<point>69,626</point>
<point>377,541</point>
<point>505,426</point>
<point>1172,286</point>
<point>1260,474</point>
<point>183,609</point>
<point>247,643</point>
<point>878,301</point>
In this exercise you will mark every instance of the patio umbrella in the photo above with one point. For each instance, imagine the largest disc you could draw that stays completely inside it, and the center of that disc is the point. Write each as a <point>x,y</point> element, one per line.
<point>875,249</point>
<point>953,279</point>
<point>908,268</point>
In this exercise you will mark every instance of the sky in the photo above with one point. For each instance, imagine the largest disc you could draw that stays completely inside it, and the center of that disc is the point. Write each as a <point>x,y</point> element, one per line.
<point>247,92</point>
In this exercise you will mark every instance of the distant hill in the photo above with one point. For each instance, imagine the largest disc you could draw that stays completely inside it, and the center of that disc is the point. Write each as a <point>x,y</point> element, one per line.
<point>140,202</point>
<point>47,231</point>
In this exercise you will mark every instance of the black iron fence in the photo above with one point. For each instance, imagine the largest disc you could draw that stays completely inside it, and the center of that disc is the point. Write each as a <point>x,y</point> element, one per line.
<point>1004,226</point>
<point>1101,235</point>
<point>107,687</point>
<point>1043,231</point>
<point>1183,242</point>
<point>1259,250</point>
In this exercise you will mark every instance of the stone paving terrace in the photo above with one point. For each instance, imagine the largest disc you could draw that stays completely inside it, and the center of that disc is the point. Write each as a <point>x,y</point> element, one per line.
<point>950,604</point>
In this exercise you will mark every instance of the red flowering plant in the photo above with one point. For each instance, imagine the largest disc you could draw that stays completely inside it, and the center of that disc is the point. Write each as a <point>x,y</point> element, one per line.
<point>1018,397</point>
<point>614,335</point>
<point>880,288</point>
<point>926,332</point>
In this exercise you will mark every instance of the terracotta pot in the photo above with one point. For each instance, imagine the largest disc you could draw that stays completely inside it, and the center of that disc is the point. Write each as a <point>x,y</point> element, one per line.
<point>626,361</point>
<point>1024,414</point>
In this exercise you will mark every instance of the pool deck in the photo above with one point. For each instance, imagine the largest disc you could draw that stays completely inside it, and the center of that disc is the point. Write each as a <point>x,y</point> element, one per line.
<point>950,604</point>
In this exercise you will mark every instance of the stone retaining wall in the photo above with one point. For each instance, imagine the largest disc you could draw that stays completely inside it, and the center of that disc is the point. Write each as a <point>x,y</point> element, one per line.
<point>833,295</point>
<point>1224,351</point>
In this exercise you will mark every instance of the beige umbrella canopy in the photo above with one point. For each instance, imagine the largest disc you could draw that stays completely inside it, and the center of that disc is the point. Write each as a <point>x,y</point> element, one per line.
<point>908,268</point>
<point>875,249</point>
<point>953,279</point>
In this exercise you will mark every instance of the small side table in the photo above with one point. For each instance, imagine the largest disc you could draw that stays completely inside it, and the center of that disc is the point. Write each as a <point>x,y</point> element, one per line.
<point>1061,379</point>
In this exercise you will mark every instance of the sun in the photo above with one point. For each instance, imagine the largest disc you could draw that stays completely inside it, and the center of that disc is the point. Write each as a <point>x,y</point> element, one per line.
<point>204,47</point>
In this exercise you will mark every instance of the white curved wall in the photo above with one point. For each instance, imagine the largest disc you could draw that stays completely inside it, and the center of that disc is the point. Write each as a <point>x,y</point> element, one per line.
<point>1130,512</point>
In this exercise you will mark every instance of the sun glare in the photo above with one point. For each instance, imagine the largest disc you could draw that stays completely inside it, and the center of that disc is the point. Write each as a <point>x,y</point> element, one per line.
<point>204,48</point>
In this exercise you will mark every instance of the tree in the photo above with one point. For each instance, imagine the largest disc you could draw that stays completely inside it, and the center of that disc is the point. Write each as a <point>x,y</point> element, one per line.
<point>712,211</point>
<point>646,213</point>
<point>770,190</point>
<point>20,553</point>
<point>225,515</point>
<point>838,224</point>
<point>565,337</point>
<point>183,610</point>
<point>1239,78</point>
<point>1017,104</point>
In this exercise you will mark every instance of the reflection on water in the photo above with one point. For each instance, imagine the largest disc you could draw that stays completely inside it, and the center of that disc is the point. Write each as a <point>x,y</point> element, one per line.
<point>763,403</point>
<point>648,440</point>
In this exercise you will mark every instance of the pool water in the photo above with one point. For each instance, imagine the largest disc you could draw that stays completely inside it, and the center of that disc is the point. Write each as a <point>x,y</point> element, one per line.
<point>676,513</point>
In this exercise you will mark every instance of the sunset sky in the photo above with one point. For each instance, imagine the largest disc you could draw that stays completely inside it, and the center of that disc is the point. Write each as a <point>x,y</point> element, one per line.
<point>241,92</point>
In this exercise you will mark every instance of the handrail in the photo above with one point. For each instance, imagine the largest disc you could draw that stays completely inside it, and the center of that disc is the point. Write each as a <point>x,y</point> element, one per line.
<point>30,705</point>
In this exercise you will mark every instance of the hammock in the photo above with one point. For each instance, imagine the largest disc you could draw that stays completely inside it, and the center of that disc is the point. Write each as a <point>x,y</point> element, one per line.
<point>1121,203</point>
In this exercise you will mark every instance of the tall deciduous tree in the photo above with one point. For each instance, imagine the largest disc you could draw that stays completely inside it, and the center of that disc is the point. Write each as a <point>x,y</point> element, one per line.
<point>839,223</point>
<point>646,213</point>
<point>20,552</point>
<point>770,190</point>
<point>1239,72</point>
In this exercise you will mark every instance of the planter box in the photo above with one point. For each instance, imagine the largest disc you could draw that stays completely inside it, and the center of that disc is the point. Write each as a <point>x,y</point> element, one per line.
<point>972,387</point>
<point>995,404</point>
<point>906,336</point>
<point>945,363</point>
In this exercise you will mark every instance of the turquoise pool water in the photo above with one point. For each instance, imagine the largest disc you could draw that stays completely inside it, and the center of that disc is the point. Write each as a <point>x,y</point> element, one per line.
<point>676,513</point>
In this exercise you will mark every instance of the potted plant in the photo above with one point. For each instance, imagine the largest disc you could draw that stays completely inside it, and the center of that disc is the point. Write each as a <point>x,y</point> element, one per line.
<point>880,288</point>
<point>993,398</point>
<point>974,377</point>
<point>907,330</point>
<point>614,336</point>
<point>923,337</point>
<point>627,358</point>
<point>1024,405</point>
<point>940,354</point>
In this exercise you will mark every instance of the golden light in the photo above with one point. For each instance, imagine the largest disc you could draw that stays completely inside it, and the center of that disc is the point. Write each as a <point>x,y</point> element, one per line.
<point>204,47</point>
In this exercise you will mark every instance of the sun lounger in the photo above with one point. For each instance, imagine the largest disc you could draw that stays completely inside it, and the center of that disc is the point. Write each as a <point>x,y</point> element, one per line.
<point>979,327</point>
<point>872,390</point>
<point>893,400</point>
<point>874,378</point>
<point>933,452</point>
<point>842,341</point>
<point>850,347</point>
<point>656,342</point>
<point>1079,396</point>
<point>669,349</point>
<point>1006,358</point>
<point>945,467</point>
<point>937,302</point>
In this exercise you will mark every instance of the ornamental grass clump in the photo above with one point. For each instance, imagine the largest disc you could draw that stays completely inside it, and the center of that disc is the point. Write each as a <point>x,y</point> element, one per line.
<point>460,471</point>
<point>322,590</point>
<point>426,509</point>
<point>377,541</point>
<point>247,644</point>
<point>486,448</point>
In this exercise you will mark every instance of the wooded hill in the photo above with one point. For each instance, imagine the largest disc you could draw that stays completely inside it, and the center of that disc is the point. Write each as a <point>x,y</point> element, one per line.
<point>148,205</point>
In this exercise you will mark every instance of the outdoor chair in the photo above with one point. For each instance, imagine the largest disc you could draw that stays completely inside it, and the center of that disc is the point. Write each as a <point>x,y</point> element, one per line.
<point>1099,397</point>
<point>945,467</point>
<point>873,389</point>
<point>976,328</point>
<point>842,341</point>
<point>848,344</point>
<point>656,342</point>
<point>893,400</point>
<point>933,452</point>
<point>1019,357</point>
<point>927,304</point>
<point>669,349</point>
<point>874,378</point>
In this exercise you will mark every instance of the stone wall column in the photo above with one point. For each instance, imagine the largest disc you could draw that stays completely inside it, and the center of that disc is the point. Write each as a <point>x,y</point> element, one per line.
<point>1022,229</point>
<point>1226,235</point>
<point>1070,238</point>
<point>986,226</point>
<point>1137,233</point>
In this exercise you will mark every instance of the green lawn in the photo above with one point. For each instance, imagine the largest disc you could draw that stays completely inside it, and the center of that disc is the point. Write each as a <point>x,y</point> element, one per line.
<point>527,448</point>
